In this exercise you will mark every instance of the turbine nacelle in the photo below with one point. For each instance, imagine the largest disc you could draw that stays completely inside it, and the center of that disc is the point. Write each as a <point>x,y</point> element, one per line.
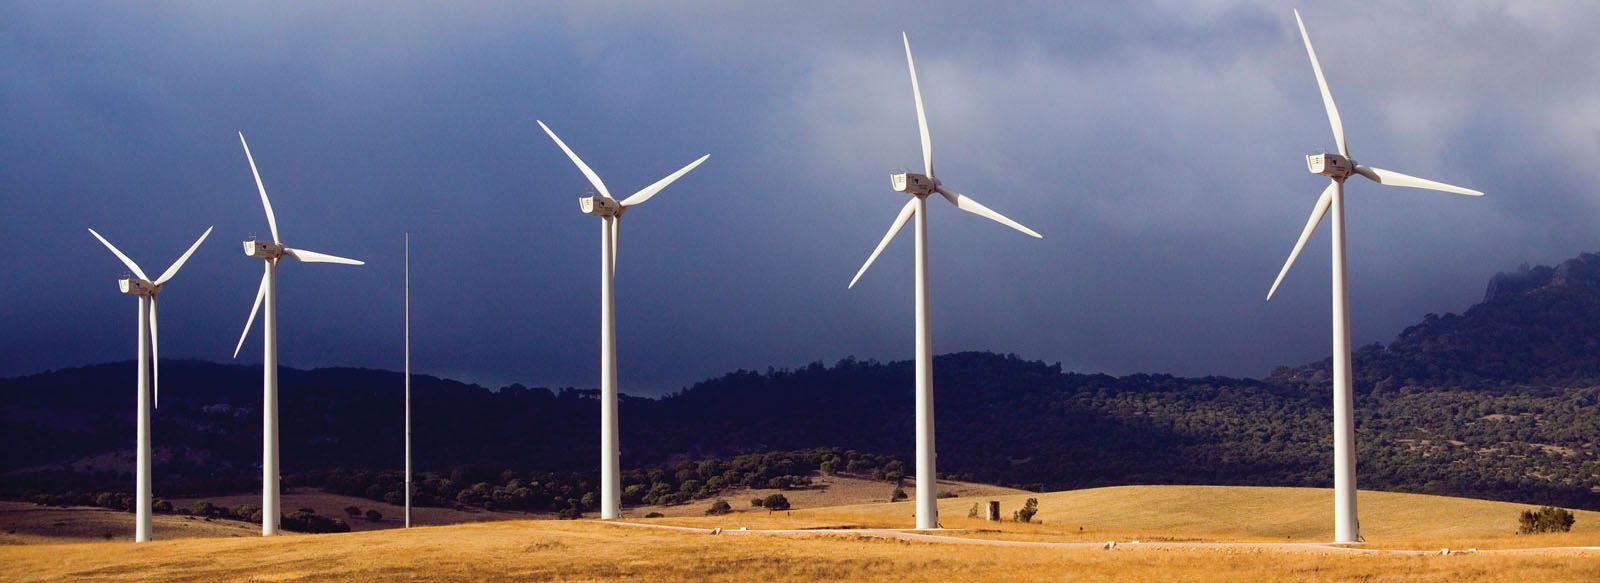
<point>263,249</point>
<point>134,286</point>
<point>1331,165</point>
<point>604,206</point>
<point>913,183</point>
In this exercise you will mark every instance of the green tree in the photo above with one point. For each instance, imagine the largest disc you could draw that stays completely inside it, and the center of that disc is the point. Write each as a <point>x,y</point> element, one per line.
<point>775,502</point>
<point>1546,519</point>
<point>719,507</point>
<point>202,508</point>
<point>1029,508</point>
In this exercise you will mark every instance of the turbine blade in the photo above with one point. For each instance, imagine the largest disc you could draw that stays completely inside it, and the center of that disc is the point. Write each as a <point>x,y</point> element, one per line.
<point>899,221</point>
<point>1311,226</point>
<point>272,221</point>
<point>593,178</point>
<point>1392,178</point>
<point>645,193</point>
<point>125,261</point>
<point>260,293</point>
<point>173,270</point>
<point>922,118</point>
<point>155,359</point>
<point>1322,83</point>
<point>315,257</point>
<point>966,203</point>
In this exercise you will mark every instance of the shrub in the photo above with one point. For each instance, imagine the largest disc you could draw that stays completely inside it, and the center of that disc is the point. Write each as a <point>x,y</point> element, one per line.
<point>202,508</point>
<point>898,494</point>
<point>719,507</point>
<point>374,516</point>
<point>756,502</point>
<point>633,493</point>
<point>1546,519</point>
<point>775,502</point>
<point>352,511</point>
<point>973,513</point>
<point>245,512</point>
<point>571,514</point>
<point>654,515</point>
<point>307,520</point>
<point>1029,508</point>
<point>162,506</point>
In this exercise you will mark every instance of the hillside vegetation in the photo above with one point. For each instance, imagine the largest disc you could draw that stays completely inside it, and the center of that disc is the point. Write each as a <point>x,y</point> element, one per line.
<point>1501,402</point>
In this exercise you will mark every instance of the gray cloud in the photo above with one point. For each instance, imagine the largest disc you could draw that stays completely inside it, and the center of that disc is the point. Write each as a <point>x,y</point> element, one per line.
<point>1156,146</point>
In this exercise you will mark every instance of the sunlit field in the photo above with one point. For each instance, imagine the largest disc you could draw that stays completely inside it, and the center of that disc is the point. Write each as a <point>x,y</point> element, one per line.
<point>547,550</point>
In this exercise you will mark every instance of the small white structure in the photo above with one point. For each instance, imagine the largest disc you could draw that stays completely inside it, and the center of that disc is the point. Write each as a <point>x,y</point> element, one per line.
<point>1338,167</point>
<point>610,212</point>
<point>270,252</point>
<point>919,186</point>
<point>149,381</point>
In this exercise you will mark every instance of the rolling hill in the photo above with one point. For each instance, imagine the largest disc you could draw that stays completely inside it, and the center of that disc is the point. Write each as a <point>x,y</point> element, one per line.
<point>548,550</point>
<point>1500,402</point>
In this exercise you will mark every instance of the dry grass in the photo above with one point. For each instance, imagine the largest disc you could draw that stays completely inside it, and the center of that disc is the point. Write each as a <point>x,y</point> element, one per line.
<point>333,505</point>
<point>26,523</point>
<point>528,550</point>
<point>590,551</point>
<point>1248,513</point>
<point>825,491</point>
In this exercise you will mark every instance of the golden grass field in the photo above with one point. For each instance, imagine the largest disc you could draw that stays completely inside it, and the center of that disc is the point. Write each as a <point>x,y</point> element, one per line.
<point>545,550</point>
<point>1252,513</point>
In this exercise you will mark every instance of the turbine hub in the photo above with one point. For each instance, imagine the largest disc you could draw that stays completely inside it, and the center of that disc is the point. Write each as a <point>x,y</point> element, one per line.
<point>1330,165</point>
<point>263,249</point>
<point>600,205</point>
<point>913,183</point>
<point>134,286</point>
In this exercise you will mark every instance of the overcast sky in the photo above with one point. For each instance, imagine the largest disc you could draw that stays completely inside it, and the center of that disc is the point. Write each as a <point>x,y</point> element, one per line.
<point>1157,146</point>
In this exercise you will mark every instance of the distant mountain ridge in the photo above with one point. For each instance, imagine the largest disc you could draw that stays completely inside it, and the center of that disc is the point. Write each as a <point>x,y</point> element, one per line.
<point>1500,402</point>
<point>1539,326</point>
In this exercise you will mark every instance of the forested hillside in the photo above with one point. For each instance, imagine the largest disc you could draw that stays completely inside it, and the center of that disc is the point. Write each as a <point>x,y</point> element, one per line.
<point>1500,402</point>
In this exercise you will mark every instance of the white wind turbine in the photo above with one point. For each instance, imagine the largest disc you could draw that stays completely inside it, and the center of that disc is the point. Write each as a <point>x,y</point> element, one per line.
<point>270,252</point>
<point>1338,167</point>
<point>610,212</point>
<point>146,290</point>
<point>920,186</point>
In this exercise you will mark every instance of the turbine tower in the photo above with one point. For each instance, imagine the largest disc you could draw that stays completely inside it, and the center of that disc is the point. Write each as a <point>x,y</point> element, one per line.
<point>1338,167</point>
<point>146,290</point>
<point>270,252</point>
<point>408,380</point>
<point>919,186</point>
<point>610,212</point>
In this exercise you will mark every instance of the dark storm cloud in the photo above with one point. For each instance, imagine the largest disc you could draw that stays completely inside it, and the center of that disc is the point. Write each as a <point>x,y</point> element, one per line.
<point>1157,147</point>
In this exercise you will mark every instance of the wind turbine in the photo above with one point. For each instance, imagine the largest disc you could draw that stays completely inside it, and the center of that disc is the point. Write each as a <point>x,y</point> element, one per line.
<point>141,286</point>
<point>270,252</point>
<point>1338,167</point>
<point>920,186</point>
<point>610,212</point>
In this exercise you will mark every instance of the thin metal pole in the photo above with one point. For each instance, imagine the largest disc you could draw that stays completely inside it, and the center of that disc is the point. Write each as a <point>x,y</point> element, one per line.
<point>408,380</point>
